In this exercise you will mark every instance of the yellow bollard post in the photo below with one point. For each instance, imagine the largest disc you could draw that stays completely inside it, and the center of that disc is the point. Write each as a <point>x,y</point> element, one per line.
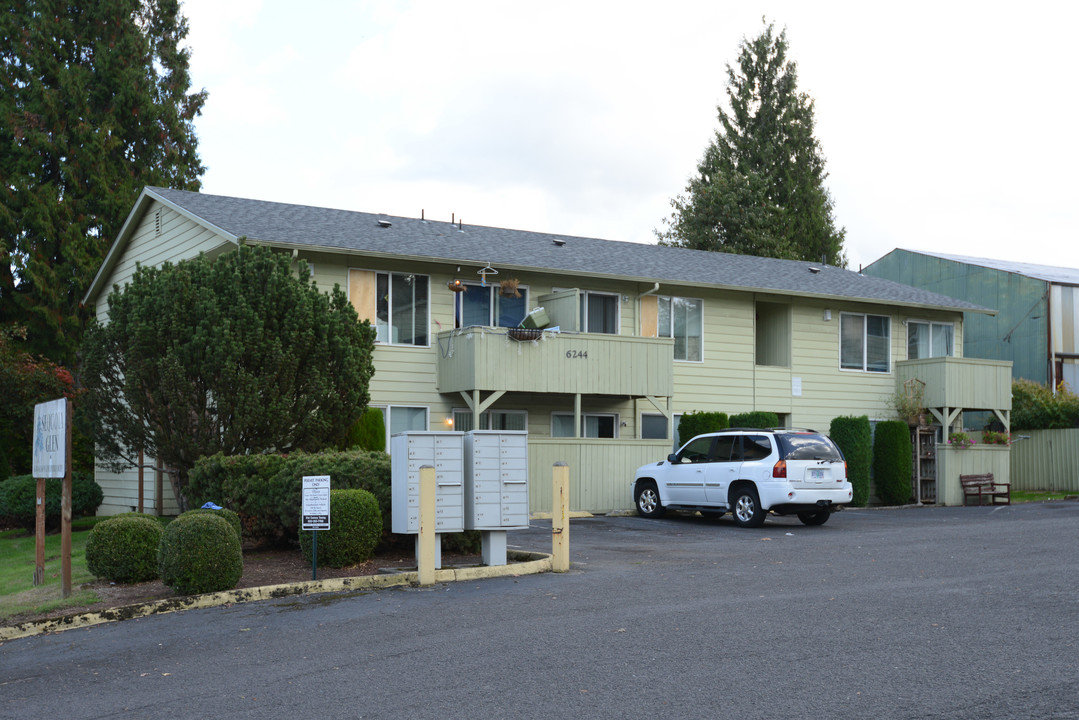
<point>560,518</point>
<point>425,552</point>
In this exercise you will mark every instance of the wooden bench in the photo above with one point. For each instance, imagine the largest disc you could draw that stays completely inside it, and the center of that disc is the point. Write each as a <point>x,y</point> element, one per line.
<point>983,487</point>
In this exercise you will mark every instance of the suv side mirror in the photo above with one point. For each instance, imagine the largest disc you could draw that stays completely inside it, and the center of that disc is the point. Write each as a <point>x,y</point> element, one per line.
<point>673,459</point>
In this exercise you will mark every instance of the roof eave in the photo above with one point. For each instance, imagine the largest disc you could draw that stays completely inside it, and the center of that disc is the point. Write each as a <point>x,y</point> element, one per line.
<point>442,260</point>
<point>116,250</point>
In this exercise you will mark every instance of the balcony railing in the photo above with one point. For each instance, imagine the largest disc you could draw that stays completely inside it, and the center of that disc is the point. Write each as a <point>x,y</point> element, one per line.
<point>489,359</point>
<point>967,383</point>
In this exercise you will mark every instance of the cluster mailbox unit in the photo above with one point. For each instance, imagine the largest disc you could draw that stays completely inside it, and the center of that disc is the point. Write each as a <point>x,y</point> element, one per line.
<point>481,480</point>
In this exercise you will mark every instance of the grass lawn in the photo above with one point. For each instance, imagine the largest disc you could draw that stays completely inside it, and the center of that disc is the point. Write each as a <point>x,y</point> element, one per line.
<point>17,557</point>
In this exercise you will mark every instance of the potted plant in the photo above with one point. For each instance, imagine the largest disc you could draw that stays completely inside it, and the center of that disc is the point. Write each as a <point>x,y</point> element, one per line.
<point>508,288</point>
<point>908,403</point>
<point>960,440</point>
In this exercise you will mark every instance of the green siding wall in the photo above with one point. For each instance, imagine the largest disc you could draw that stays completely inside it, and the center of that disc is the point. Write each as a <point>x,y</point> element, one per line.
<point>1019,332</point>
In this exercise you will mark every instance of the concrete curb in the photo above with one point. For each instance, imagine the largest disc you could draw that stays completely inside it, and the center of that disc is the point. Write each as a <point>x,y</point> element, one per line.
<point>526,563</point>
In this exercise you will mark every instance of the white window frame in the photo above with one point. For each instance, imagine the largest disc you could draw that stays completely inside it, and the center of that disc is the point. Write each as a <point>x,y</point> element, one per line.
<point>929,327</point>
<point>389,303</point>
<point>485,416</point>
<point>667,423</point>
<point>583,319</point>
<point>670,330</point>
<point>387,412</point>
<point>584,417</point>
<point>493,289</point>
<point>865,344</point>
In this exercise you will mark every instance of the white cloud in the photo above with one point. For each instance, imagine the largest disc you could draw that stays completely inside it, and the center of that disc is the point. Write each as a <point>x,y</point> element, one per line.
<point>944,128</point>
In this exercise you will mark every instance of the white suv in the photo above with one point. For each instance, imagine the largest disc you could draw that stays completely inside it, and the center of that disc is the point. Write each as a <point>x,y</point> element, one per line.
<point>748,472</point>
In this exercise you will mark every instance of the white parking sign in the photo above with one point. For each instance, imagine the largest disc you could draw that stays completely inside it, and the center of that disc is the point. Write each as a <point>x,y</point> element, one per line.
<point>315,514</point>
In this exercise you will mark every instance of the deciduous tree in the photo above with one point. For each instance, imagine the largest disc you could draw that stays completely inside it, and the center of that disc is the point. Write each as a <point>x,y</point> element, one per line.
<point>759,190</point>
<point>242,354</point>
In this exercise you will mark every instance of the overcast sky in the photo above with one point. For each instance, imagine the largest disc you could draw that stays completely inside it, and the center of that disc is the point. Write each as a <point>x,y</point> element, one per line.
<point>948,127</point>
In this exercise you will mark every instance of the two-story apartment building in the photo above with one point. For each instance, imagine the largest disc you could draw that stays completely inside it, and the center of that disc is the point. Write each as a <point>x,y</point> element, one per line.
<point>635,335</point>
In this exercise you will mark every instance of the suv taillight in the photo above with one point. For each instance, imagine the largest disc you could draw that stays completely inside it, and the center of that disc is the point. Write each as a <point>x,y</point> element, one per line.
<point>779,470</point>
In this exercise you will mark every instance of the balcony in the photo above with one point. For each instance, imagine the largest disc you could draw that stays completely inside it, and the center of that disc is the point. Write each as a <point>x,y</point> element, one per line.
<point>960,383</point>
<point>487,359</point>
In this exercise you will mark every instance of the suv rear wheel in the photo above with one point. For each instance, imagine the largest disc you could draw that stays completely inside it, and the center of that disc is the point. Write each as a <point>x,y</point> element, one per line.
<point>746,507</point>
<point>647,500</point>
<point>817,517</point>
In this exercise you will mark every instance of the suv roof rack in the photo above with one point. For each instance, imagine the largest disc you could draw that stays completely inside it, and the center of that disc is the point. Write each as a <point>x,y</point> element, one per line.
<point>792,429</point>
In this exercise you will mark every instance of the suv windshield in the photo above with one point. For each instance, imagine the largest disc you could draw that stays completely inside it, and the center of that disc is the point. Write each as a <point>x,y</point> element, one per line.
<point>807,446</point>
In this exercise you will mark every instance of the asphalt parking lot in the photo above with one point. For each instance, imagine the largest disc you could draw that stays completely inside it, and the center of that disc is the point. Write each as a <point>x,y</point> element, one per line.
<point>904,613</point>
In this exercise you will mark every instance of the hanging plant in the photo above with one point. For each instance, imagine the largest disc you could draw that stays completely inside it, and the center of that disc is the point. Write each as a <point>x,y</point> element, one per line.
<point>509,288</point>
<point>456,285</point>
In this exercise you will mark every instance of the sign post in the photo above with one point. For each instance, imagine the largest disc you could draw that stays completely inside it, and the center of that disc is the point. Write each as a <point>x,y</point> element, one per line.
<point>52,459</point>
<point>315,514</point>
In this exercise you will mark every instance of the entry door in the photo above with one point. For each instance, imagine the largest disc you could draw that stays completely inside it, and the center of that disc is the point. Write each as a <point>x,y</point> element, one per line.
<point>723,470</point>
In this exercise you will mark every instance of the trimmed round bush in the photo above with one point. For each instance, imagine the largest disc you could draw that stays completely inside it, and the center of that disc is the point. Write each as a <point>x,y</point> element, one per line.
<point>123,549</point>
<point>232,518</point>
<point>18,499</point>
<point>200,553</point>
<point>893,462</point>
<point>355,529</point>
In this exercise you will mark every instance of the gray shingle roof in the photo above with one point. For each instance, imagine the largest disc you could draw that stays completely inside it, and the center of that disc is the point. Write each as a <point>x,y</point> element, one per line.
<point>341,230</point>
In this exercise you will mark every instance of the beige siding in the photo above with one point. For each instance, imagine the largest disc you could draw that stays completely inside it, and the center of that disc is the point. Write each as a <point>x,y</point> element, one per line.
<point>600,471</point>
<point>178,239</point>
<point>121,491</point>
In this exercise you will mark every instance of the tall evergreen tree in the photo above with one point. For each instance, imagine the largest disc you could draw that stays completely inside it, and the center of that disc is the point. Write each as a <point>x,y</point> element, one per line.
<point>95,105</point>
<point>760,188</point>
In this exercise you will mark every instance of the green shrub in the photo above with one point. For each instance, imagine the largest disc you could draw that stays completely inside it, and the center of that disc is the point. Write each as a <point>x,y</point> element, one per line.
<point>1036,407</point>
<point>199,553</point>
<point>893,462</point>
<point>266,489</point>
<point>123,549</point>
<point>355,529</point>
<point>18,499</point>
<point>855,438</point>
<point>756,419</point>
<point>697,423</point>
<point>368,433</point>
<point>469,542</point>
<point>231,517</point>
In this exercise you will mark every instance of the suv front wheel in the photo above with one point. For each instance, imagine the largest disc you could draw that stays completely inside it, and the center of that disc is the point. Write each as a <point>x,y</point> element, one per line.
<point>746,507</point>
<point>647,500</point>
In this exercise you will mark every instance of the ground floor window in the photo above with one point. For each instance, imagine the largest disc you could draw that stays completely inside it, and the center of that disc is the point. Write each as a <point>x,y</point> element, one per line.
<point>593,425</point>
<point>653,426</point>
<point>402,418</point>
<point>490,420</point>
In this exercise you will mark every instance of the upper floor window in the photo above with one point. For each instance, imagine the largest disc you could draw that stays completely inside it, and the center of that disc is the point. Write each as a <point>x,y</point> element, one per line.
<point>478,305</point>
<point>929,339</point>
<point>401,308</point>
<point>865,342</point>
<point>683,320</point>
<point>599,313</point>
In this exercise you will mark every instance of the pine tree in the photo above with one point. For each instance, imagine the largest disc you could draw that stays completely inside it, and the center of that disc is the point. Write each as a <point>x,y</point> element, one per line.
<point>760,188</point>
<point>95,105</point>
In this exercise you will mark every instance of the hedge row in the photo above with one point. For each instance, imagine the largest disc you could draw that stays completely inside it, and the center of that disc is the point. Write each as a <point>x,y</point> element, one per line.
<point>854,437</point>
<point>18,499</point>
<point>266,489</point>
